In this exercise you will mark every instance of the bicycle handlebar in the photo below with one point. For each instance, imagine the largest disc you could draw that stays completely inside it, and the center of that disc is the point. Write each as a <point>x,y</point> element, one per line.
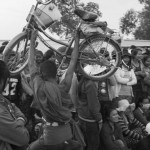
<point>46,3</point>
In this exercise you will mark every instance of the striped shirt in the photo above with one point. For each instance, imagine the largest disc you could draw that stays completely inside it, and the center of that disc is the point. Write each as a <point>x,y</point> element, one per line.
<point>128,131</point>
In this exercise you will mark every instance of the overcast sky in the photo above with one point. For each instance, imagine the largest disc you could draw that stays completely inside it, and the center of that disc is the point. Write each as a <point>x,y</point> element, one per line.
<point>13,14</point>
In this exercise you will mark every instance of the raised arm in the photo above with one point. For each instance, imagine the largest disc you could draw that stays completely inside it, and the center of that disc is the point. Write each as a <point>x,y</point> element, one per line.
<point>74,56</point>
<point>32,65</point>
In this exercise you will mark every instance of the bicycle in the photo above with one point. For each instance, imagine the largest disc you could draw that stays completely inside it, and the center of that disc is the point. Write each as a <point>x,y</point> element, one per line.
<point>92,49</point>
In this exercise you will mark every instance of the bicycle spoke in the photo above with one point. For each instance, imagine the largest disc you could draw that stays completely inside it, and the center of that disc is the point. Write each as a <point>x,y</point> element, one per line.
<point>96,57</point>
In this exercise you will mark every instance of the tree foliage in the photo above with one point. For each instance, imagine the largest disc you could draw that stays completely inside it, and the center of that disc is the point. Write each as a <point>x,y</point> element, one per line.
<point>69,19</point>
<point>128,22</point>
<point>137,23</point>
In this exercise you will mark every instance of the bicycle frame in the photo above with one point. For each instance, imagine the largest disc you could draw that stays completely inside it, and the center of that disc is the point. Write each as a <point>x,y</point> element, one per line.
<point>32,24</point>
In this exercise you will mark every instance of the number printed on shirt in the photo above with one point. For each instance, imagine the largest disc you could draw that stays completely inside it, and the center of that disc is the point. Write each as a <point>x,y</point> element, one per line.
<point>10,89</point>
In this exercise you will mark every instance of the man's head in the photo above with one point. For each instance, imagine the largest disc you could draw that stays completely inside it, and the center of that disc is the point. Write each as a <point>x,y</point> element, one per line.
<point>132,47</point>
<point>49,54</point>
<point>48,70</point>
<point>4,75</point>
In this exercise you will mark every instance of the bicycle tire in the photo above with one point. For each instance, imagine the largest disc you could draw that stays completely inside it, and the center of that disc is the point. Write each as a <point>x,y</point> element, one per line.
<point>99,37</point>
<point>9,48</point>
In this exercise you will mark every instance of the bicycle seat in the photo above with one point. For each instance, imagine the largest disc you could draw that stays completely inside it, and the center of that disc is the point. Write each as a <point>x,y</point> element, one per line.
<point>85,15</point>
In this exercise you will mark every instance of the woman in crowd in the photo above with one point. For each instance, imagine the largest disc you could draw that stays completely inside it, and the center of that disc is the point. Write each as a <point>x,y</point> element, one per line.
<point>138,69</point>
<point>125,78</point>
<point>140,112</point>
<point>111,134</point>
<point>133,130</point>
<point>90,118</point>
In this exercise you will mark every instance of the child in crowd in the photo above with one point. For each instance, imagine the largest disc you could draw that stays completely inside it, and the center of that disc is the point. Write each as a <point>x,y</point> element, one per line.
<point>125,78</point>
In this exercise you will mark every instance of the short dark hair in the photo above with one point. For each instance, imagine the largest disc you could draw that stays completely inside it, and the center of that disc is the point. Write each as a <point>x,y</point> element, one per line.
<point>48,54</point>
<point>132,47</point>
<point>39,52</point>
<point>48,69</point>
<point>108,108</point>
<point>4,72</point>
<point>140,100</point>
<point>135,51</point>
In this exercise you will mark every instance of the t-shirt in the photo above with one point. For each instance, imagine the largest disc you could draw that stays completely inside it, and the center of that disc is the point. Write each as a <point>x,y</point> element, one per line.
<point>125,89</point>
<point>73,92</point>
<point>48,97</point>
<point>13,90</point>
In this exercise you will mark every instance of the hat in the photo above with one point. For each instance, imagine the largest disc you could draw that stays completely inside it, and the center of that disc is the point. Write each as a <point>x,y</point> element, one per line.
<point>125,53</point>
<point>124,104</point>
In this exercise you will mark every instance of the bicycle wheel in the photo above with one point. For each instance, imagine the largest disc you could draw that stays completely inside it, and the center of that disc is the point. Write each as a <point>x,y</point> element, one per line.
<point>16,53</point>
<point>99,57</point>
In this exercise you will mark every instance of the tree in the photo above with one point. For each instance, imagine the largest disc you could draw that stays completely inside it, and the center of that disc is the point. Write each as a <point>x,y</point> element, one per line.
<point>141,29</point>
<point>69,19</point>
<point>143,1</point>
<point>128,22</point>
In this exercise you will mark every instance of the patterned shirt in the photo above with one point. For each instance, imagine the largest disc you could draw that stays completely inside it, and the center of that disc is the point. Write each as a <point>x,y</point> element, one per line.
<point>127,128</point>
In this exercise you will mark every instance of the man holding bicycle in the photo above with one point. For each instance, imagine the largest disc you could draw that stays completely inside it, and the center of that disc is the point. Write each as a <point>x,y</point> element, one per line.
<point>50,100</point>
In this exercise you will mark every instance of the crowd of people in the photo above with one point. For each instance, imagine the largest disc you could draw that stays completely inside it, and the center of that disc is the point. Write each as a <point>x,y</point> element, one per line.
<point>43,109</point>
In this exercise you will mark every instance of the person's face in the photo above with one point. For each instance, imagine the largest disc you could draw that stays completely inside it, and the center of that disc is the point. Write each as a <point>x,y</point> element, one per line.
<point>145,104</point>
<point>126,59</point>
<point>128,110</point>
<point>52,58</point>
<point>147,62</point>
<point>139,55</point>
<point>38,58</point>
<point>113,116</point>
<point>129,113</point>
